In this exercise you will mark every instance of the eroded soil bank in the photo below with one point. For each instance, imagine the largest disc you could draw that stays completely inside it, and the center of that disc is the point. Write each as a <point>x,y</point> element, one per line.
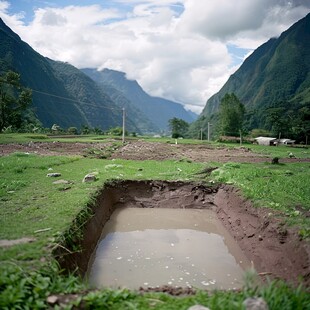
<point>274,249</point>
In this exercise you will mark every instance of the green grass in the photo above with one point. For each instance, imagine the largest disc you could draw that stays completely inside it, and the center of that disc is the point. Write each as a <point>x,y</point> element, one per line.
<point>281,151</point>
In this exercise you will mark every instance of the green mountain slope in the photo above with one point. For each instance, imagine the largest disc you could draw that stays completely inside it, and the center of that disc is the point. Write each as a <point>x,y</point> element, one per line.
<point>62,94</point>
<point>158,110</point>
<point>274,76</point>
<point>141,121</point>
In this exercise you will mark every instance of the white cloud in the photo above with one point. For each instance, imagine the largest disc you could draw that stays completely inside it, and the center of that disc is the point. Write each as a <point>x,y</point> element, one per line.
<point>176,52</point>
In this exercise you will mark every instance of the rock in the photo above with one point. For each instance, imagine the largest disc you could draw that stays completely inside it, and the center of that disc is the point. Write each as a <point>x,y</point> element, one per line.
<point>89,178</point>
<point>52,300</point>
<point>254,303</point>
<point>198,307</point>
<point>54,175</point>
<point>61,182</point>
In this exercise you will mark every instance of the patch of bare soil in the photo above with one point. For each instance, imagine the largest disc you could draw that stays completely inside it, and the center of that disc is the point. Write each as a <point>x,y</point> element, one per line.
<point>8,243</point>
<point>143,150</point>
<point>54,148</point>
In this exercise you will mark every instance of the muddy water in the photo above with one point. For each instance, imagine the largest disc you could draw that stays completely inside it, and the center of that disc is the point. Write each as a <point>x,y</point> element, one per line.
<point>154,247</point>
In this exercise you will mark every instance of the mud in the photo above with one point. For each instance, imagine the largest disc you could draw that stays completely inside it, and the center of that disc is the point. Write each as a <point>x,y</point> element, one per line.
<point>274,249</point>
<point>150,247</point>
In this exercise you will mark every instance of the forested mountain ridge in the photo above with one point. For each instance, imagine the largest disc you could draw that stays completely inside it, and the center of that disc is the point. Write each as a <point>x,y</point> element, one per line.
<point>157,110</point>
<point>273,83</point>
<point>62,94</point>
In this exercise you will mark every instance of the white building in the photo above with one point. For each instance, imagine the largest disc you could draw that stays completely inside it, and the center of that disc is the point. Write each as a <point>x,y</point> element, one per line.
<point>266,140</point>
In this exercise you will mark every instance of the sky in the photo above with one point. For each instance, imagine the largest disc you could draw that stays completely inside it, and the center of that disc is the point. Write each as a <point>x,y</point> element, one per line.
<point>180,50</point>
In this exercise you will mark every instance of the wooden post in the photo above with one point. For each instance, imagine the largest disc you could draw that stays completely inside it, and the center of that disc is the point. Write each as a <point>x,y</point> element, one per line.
<point>123,136</point>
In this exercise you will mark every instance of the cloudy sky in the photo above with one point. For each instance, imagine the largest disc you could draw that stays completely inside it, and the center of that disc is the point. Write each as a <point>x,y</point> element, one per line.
<point>181,50</point>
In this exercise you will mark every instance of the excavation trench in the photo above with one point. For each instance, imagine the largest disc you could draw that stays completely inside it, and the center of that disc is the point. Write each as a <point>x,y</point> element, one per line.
<point>158,233</point>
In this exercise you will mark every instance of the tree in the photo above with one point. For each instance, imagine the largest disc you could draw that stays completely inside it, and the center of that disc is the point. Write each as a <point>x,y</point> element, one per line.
<point>14,100</point>
<point>72,131</point>
<point>231,115</point>
<point>178,127</point>
<point>277,121</point>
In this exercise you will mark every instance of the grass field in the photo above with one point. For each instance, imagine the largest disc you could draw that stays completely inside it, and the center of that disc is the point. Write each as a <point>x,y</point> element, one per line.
<point>32,206</point>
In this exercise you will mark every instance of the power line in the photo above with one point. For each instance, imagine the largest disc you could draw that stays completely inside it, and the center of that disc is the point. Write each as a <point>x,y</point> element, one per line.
<point>73,100</point>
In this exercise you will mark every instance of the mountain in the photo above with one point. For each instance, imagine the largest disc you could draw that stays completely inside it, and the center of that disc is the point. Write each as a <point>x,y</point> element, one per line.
<point>144,124</point>
<point>156,109</point>
<point>275,78</point>
<point>62,94</point>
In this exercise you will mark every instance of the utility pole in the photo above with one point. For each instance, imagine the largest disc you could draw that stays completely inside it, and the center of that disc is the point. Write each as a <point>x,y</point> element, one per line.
<point>209,125</point>
<point>200,133</point>
<point>123,136</point>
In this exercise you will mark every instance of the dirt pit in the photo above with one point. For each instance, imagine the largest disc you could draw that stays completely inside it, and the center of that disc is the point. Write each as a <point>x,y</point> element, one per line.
<point>271,248</point>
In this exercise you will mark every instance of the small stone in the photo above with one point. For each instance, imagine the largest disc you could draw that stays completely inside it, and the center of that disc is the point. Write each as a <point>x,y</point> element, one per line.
<point>54,175</point>
<point>89,178</point>
<point>254,303</point>
<point>52,300</point>
<point>198,307</point>
<point>251,235</point>
<point>260,238</point>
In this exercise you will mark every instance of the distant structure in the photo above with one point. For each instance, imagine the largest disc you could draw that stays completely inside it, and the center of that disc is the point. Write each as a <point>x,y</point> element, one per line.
<point>273,141</point>
<point>266,141</point>
<point>286,141</point>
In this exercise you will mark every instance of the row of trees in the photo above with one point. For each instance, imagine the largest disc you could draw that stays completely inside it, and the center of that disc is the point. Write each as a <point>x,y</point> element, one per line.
<point>229,123</point>
<point>285,119</point>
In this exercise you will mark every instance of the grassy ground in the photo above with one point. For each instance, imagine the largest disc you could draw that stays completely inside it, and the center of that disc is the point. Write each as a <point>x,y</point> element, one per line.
<point>32,206</point>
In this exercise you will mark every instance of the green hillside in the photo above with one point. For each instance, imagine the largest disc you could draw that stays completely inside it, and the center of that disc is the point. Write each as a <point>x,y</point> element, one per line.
<point>62,94</point>
<point>274,85</point>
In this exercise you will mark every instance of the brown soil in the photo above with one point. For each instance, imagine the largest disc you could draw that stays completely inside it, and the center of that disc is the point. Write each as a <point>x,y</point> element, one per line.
<point>142,150</point>
<point>274,249</point>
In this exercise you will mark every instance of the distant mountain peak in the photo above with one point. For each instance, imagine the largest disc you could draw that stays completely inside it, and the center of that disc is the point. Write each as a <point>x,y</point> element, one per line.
<point>8,30</point>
